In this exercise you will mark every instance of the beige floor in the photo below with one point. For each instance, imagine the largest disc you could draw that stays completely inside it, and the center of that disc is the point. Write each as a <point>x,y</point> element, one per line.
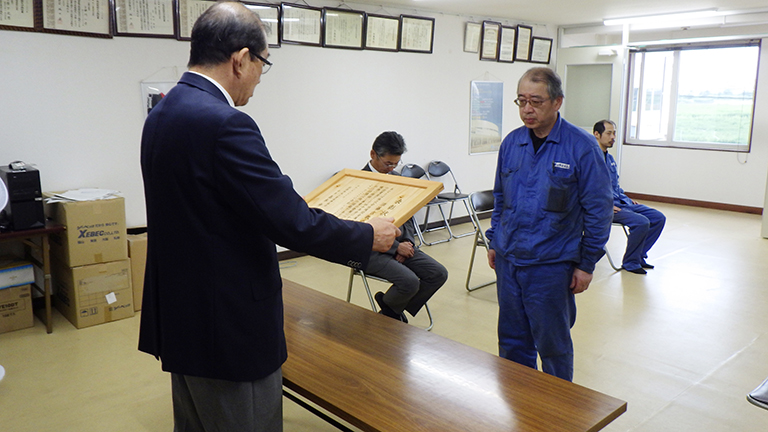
<point>682,345</point>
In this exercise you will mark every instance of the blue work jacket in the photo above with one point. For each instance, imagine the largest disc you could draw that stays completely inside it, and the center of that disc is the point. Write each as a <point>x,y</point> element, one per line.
<point>620,199</point>
<point>551,206</point>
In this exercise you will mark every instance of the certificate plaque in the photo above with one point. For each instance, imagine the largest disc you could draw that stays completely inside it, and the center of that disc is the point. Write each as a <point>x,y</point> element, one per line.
<point>270,17</point>
<point>362,195</point>
<point>416,34</point>
<point>523,43</point>
<point>343,28</point>
<point>382,32</point>
<point>78,17</point>
<point>541,49</point>
<point>489,44</point>
<point>507,44</point>
<point>144,18</point>
<point>17,15</point>
<point>188,11</point>
<point>302,24</point>
<point>472,37</point>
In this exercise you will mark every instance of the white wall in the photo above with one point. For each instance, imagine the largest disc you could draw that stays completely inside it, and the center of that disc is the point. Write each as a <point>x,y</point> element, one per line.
<point>72,106</point>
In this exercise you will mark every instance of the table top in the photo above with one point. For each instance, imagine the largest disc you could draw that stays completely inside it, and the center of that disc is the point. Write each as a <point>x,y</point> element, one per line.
<point>379,374</point>
<point>50,228</point>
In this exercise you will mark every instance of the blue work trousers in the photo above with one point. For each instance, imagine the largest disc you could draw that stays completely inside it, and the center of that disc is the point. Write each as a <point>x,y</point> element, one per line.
<point>536,312</point>
<point>645,225</point>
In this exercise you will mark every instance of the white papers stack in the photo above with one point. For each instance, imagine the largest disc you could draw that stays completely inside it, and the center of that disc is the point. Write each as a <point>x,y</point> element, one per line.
<point>84,194</point>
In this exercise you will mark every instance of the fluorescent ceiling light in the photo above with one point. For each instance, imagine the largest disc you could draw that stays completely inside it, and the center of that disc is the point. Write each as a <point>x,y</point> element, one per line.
<point>666,18</point>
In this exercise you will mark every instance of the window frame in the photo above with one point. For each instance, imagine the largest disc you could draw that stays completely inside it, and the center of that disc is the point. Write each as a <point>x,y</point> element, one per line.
<point>669,142</point>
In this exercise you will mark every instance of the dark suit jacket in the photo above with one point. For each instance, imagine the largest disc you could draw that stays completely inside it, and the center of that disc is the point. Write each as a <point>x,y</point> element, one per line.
<point>216,205</point>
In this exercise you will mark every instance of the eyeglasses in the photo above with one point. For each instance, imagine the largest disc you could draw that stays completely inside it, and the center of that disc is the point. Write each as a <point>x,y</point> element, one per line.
<point>267,63</point>
<point>389,164</point>
<point>534,103</point>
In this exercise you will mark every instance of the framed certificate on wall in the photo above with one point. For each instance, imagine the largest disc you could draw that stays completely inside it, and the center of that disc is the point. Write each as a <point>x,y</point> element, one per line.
<point>507,44</point>
<point>302,25</point>
<point>187,12</point>
<point>382,32</point>
<point>416,34</point>
<point>343,28</point>
<point>270,17</point>
<point>489,43</point>
<point>541,50</point>
<point>149,18</point>
<point>83,18</point>
<point>523,43</point>
<point>17,15</point>
<point>472,37</point>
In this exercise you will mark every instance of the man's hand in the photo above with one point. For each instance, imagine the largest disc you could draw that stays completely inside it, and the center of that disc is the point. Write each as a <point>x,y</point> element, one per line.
<point>405,249</point>
<point>384,233</point>
<point>616,209</point>
<point>492,258</point>
<point>580,281</point>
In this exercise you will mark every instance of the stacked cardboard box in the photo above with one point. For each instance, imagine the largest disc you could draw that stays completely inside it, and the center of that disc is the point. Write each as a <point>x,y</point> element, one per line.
<point>91,270</point>
<point>15,294</point>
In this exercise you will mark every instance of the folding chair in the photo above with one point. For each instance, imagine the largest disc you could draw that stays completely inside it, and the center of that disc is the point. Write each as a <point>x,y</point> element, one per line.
<point>479,202</point>
<point>364,277</point>
<point>437,169</point>
<point>417,172</point>
<point>608,254</point>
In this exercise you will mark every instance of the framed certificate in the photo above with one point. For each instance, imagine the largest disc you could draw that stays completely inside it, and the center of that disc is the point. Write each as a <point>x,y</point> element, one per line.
<point>523,43</point>
<point>152,18</point>
<point>489,44</point>
<point>541,49</point>
<point>187,12</point>
<point>472,37</point>
<point>270,17</point>
<point>507,44</point>
<point>302,25</point>
<point>17,15</point>
<point>362,195</point>
<point>416,34</point>
<point>382,32</point>
<point>344,28</point>
<point>83,18</point>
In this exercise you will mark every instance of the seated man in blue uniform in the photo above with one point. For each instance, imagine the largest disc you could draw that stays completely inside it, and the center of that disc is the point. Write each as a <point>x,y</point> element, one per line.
<point>415,276</point>
<point>644,223</point>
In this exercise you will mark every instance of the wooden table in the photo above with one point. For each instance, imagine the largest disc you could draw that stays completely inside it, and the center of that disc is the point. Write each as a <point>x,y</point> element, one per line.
<point>379,374</point>
<point>28,237</point>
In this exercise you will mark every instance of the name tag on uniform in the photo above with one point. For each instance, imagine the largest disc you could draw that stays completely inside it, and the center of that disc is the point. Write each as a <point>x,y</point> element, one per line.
<point>562,165</point>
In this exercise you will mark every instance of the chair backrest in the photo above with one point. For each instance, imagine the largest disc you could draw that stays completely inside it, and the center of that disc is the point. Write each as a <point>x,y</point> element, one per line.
<point>438,168</point>
<point>481,201</point>
<point>412,171</point>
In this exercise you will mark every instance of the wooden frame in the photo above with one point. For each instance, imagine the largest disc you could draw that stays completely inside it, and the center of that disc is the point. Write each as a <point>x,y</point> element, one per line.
<point>541,50</point>
<point>417,34</point>
<point>187,12</point>
<point>472,32</point>
<point>523,43</point>
<point>159,18</point>
<point>92,18</point>
<point>362,195</point>
<point>344,28</point>
<point>302,25</point>
<point>507,41</point>
<point>270,16</point>
<point>489,41</point>
<point>23,15</point>
<point>382,32</point>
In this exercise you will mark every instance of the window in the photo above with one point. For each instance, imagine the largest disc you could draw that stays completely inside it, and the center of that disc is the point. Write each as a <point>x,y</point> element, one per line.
<point>699,97</point>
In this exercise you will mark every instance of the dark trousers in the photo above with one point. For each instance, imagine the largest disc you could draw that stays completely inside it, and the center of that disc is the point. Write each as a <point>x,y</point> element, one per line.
<point>210,405</point>
<point>645,225</point>
<point>413,282</point>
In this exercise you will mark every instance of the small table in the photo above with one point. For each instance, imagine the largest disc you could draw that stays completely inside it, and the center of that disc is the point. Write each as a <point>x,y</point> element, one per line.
<point>28,238</point>
<point>379,374</point>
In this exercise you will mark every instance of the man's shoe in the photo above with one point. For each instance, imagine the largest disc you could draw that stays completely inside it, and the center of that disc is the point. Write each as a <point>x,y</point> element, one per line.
<point>636,271</point>
<point>759,396</point>
<point>645,265</point>
<point>385,309</point>
<point>403,318</point>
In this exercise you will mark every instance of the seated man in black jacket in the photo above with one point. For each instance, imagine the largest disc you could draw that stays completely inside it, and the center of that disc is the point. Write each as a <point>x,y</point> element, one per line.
<point>415,276</point>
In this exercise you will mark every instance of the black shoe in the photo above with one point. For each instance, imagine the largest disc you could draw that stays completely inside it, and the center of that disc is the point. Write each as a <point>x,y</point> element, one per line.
<point>385,309</point>
<point>645,265</point>
<point>403,318</point>
<point>636,271</point>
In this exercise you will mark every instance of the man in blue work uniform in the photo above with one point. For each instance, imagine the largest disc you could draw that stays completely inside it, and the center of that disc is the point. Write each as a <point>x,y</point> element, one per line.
<point>551,219</point>
<point>644,223</point>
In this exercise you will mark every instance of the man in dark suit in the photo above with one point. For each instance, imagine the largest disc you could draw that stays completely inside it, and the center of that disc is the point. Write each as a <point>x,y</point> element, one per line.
<point>415,276</point>
<point>216,206</point>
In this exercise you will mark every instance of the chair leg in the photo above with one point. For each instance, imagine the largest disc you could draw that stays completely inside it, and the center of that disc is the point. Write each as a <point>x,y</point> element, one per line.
<point>610,260</point>
<point>368,291</point>
<point>472,264</point>
<point>429,314</point>
<point>365,283</point>
<point>450,217</point>
<point>445,226</point>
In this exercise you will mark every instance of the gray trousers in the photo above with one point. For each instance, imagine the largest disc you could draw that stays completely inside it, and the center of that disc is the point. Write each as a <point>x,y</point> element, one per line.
<point>210,405</point>
<point>413,282</point>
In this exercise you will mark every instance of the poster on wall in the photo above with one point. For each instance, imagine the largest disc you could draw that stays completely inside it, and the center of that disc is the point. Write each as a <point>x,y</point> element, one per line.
<point>486,113</point>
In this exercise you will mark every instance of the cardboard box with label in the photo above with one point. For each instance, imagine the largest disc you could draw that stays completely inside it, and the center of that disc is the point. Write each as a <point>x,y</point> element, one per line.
<point>95,231</point>
<point>94,294</point>
<point>16,294</point>
<point>137,251</point>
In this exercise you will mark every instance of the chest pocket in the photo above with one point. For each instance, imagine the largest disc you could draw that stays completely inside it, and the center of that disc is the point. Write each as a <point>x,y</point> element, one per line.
<point>508,178</point>
<point>561,189</point>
